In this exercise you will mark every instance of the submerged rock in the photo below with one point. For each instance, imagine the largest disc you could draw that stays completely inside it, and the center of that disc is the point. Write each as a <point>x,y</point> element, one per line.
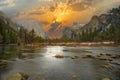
<point>102,58</point>
<point>110,59</point>
<point>105,79</point>
<point>3,65</point>
<point>59,56</point>
<point>88,55</point>
<point>99,55</point>
<point>74,57</point>
<point>109,54</point>
<point>74,76</point>
<point>114,57</point>
<point>118,55</point>
<point>2,62</point>
<point>18,76</point>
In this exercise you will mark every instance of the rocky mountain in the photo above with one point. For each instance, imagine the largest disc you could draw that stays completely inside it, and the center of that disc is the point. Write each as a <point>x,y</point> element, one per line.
<point>98,22</point>
<point>105,27</point>
<point>8,21</point>
<point>72,31</point>
<point>55,31</point>
<point>8,29</point>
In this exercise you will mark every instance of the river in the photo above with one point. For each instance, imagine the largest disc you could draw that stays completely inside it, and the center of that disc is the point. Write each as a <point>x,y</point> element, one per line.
<point>41,64</point>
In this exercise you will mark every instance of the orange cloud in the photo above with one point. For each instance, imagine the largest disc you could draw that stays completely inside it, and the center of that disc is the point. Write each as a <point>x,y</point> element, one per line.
<point>67,12</point>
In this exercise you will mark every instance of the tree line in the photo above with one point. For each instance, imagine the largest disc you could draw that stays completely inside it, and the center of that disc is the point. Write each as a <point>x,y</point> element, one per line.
<point>108,33</point>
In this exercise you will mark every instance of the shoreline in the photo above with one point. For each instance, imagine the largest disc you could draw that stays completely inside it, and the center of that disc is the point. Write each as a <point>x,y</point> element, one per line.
<point>74,44</point>
<point>71,44</point>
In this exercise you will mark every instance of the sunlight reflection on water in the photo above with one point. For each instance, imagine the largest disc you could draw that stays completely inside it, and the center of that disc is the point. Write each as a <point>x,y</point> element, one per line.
<point>53,50</point>
<point>45,65</point>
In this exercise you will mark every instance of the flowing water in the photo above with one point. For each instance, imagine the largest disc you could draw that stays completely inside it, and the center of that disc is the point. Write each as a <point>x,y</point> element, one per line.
<point>41,64</point>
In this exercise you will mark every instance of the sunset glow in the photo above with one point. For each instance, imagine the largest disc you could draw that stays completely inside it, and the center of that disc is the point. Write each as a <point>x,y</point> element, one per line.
<point>61,12</point>
<point>65,12</point>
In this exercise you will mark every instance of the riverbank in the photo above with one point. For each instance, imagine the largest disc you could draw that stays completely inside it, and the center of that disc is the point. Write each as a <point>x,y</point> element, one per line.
<point>72,44</point>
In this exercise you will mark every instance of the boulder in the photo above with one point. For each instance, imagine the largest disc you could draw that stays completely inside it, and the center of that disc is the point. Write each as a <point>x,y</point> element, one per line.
<point>105,79</point>
<point>59,56</point>
<point>3,65</point>
<point>88,55</point>
<point>18,76</point>
<point>74,57</point>
<point>109,54</point>
<point>102,58</point>
<point>99,55</point>
<point>110,59</point>
<point>2,62</point>
<point>114,57</point>
<point>118,55</point>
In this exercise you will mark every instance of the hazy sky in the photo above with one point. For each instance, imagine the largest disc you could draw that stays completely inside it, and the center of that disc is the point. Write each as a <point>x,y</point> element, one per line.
<point>66,11</point>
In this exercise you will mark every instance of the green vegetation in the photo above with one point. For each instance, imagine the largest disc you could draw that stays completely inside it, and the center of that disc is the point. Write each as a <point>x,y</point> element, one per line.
<point>109,33</point>
<point>29,37</point>
<point>10,36</point>
<point>7,34</point>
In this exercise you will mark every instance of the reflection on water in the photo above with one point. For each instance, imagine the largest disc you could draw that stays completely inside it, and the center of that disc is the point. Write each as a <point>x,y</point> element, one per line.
<point>42,65</point>
<point>8,52</point>
<point>53,50</point>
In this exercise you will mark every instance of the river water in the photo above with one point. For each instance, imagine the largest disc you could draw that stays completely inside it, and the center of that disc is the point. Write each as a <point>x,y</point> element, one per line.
<point>40,64</point>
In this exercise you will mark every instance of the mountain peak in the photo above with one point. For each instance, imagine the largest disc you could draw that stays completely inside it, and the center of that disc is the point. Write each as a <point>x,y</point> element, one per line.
<point>2,14</point>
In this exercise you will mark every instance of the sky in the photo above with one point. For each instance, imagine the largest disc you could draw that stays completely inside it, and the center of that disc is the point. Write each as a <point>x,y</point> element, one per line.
<point>64,11</point>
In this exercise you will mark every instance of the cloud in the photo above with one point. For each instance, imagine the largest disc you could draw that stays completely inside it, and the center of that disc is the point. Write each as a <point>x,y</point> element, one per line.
<point>45,0</point>
<point>105,5</point>
<point>6,4</point>
<point>73,10</point>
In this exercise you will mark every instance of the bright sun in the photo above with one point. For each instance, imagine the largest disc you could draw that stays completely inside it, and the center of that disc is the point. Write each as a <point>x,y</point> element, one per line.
<point>61,12</point>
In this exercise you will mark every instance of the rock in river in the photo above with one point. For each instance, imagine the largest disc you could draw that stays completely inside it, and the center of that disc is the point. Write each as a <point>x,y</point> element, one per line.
<point>18,76</point>
<point>105,79</point>
<point>88,55</point>
<point>74,57</point>
<point>3,65</point>
<point>109,54</point>
<point>59,56</point>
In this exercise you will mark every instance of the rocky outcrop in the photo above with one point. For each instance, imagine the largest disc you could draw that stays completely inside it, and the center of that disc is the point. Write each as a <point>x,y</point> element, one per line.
<point>6,20</point>
<point>55,32</point>
<point>99,23</point>
<point>72,31</point>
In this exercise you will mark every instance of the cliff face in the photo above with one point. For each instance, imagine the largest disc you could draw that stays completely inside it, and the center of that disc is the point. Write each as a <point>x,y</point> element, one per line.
<point>7,23</point>
<point>8,29</point>
<point>102,22</point>
<point>72,31</point>
<point>94,22</point>
<point>55,31</point>
<point>98,22</point>
<point>4,19</point>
